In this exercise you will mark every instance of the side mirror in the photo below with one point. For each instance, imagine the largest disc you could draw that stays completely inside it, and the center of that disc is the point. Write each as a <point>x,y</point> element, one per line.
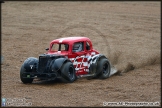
<point>47,49</point>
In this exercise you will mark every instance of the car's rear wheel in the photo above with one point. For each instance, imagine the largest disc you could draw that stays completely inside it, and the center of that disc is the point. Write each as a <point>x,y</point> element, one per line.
<point>68,72</point>
<point>103,68</point>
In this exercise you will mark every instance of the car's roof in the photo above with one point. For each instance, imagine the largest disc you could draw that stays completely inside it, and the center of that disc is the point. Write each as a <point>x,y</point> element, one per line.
<point>70,39</point>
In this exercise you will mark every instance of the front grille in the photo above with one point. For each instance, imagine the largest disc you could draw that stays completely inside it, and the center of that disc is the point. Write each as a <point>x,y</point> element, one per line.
<point>43,60</point>
<point>45,63</point>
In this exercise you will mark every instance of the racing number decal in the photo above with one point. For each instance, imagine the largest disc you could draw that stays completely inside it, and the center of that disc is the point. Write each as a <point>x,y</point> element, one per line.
<point>80,62</point>
<point>83,62</point>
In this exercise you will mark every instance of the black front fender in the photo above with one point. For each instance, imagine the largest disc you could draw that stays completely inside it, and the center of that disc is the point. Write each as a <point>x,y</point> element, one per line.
<point>30,64</point>
<point>57,64</point>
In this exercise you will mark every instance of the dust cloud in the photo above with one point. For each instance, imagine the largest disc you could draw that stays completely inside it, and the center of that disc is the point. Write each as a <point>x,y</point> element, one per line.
<point>127,61</point>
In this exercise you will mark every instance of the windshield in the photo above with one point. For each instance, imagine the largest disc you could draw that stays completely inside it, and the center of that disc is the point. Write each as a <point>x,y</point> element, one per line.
<point>59,47</point>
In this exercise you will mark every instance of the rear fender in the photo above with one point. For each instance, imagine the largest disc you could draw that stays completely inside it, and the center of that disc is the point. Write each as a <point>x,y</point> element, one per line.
<point>94,62</point>
<point>100,56</point>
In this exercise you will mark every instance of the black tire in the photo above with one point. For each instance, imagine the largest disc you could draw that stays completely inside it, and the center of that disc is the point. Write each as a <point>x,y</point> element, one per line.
<point>103,68</point>
<point>68,73</point>
<point>24,80</point>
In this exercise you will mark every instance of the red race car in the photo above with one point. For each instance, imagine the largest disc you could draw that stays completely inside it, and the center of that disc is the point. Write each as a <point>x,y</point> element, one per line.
<point>67,59</point>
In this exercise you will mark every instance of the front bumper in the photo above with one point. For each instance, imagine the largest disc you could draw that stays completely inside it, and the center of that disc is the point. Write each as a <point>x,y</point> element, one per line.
<point>43,76</point>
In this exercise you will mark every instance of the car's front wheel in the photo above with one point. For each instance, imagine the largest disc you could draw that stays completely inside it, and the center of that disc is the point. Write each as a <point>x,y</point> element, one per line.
<point>28,66</point>
<point>24,80</point>
<point>68,72</point>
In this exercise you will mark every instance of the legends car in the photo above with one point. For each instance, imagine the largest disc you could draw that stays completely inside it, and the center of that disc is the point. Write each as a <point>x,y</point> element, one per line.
<point>67,59</point>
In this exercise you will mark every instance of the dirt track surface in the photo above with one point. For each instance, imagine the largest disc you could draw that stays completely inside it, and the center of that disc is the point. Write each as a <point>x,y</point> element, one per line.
<point>128,33</point>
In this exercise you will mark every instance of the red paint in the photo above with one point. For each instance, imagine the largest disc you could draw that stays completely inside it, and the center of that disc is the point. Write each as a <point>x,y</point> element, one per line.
<point>78,58</point>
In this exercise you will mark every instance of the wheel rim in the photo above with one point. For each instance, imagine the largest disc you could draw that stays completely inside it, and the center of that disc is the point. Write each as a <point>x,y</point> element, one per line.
<point>105,69</point>
<point>71,73</point>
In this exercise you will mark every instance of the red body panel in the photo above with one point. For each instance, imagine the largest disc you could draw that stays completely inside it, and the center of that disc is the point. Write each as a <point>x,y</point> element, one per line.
<point>79,59</point>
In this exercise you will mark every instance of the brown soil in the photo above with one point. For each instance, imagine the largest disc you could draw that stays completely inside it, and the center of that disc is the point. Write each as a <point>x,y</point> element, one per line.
<point>128,33</point>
